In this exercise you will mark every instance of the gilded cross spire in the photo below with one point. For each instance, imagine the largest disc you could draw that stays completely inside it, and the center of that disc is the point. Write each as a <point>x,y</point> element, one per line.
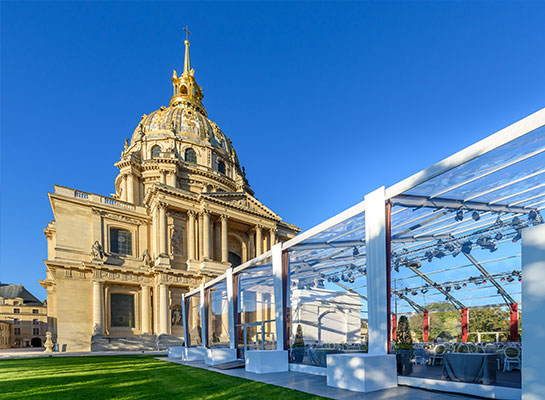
<point>186,90</point>
<point>187,62</point>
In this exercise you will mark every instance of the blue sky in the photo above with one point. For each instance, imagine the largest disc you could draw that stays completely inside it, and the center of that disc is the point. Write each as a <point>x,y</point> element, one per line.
<point>324,102</point>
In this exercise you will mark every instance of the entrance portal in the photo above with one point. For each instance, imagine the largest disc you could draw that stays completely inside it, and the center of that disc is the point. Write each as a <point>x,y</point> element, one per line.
<point>36,342</point>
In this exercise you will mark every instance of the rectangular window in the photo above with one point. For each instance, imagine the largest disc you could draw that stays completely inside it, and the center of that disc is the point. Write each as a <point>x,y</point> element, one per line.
<point>17,331</point>
<point>16,321</point>
<point>35,331</point>
<point>122,310</point>
<point>34,311</point>
<point>16,310</point>
<point>120,241</point>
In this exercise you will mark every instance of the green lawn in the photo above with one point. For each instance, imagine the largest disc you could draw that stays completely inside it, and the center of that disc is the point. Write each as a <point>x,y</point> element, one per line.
<point>125,377</point>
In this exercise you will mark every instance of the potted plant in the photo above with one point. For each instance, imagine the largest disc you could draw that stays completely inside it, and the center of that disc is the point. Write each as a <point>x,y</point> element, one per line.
<point>404,347</point>
<point>298,346</point>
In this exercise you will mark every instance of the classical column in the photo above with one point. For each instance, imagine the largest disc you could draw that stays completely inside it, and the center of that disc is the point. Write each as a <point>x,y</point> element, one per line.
<point>98,308</point>
<point>124,188</point>
<point>163,309</point>
<point>163,178</point>
<point>272,237</point>
<point>200,232</point>
<point>130,188</point>
<point>146,308</point>
<point>191,235</point>
<point>163,248</point>
<point>251,250</point>
<point>224,245</point>
<point>206,234</point>
<point>258,241</point>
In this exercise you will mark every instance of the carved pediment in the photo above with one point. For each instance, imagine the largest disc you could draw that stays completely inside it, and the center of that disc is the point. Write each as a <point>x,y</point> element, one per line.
<point>242,201</point>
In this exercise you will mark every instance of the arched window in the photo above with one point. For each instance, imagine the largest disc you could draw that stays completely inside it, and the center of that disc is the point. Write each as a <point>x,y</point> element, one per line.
<point>155,151</point>
<point>221,167</point>
<point>183,90</point>
<point>190,156</point>
<point>120,241</point>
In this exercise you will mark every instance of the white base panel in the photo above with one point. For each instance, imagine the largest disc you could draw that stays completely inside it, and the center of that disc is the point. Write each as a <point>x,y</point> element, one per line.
<point>308,369</point>
<point>176,352</point>
<point>266,361</point>
<point>473,389</point>
<point>220,355</point>
<point>361,372</point>
<point>194,354</point>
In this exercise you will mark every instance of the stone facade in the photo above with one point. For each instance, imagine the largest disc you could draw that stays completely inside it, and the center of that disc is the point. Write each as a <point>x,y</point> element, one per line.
<point>182,213</point>
<point>5,335</point>
<point>23,318</point>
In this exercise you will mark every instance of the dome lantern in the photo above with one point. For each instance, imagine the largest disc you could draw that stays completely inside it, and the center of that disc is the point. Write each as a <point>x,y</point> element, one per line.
<point>185,87</point>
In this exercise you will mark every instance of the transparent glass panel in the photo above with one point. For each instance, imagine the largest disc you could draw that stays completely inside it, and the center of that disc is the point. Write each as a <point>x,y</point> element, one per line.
<point>194,331</point>
<point>256,308</point>
<point>218,317</point>
<point>327,294</point>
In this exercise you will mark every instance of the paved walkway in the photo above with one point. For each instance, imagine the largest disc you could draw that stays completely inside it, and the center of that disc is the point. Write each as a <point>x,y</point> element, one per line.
<point>32,353</point>
<point>316,385</point>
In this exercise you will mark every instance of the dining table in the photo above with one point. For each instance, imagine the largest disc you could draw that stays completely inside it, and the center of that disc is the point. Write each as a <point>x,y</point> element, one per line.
<point>470,367</point>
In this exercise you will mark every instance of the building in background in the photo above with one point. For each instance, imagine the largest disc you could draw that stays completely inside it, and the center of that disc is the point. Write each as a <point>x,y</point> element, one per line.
<point>23,318</point>
<point>182,213</point>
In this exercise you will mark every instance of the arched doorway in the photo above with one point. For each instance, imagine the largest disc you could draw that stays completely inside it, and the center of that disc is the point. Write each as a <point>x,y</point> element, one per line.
<point>36,342</point>
<point>234,259</point>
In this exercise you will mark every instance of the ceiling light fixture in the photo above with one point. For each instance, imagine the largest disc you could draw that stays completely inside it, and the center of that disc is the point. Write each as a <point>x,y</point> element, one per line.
<point>459,216</point>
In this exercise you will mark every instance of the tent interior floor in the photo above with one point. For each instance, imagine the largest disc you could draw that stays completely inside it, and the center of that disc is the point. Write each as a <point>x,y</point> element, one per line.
<point>508,378</point>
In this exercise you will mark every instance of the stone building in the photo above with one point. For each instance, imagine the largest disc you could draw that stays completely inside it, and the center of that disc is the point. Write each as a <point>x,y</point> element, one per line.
<point>182,213</point>
<point>23,318</point>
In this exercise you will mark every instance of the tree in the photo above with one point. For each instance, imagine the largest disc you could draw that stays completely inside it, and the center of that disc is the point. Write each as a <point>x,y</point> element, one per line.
<point>403,331</point>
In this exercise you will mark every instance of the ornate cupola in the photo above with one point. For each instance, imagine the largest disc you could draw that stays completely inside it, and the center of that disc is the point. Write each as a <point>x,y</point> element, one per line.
<point>186,90</point>
<point>179,146</point>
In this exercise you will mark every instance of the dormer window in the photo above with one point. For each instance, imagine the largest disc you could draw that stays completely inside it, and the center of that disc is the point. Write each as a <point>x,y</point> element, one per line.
<point>190,156</point>
<point>221,167</point>
<point>155,151</point>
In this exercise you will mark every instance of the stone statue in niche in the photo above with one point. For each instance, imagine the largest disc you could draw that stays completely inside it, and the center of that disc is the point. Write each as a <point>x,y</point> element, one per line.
<point>146,259</point>
<point>176,316</point>
<point>97,251</point>
<point>176,241</point>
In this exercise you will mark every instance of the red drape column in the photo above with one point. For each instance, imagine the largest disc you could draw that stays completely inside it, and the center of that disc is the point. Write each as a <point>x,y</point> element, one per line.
<point>426,322</point>
<point>394,327</point>
<point>464,325</point>
<point>514,323</point>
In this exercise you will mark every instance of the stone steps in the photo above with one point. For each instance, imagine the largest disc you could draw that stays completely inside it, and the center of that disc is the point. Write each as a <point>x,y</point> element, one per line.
<point>134,343</point>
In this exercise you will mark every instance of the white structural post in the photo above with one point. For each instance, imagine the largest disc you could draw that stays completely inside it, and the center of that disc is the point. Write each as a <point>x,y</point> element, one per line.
<point>533,304</point>
<point>184,321</point>
<point>203,316</point>
<point>375,240</point>
<point>279,305</point>
<point>230,307</point>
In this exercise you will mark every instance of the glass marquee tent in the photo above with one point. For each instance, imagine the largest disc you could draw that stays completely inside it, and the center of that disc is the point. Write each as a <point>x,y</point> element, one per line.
<point>441,251</point>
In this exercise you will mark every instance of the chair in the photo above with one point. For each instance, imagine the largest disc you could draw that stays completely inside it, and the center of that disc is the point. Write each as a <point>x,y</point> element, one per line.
<point>512,356</point>
<point>438,353</point>
<point>463,348</point>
